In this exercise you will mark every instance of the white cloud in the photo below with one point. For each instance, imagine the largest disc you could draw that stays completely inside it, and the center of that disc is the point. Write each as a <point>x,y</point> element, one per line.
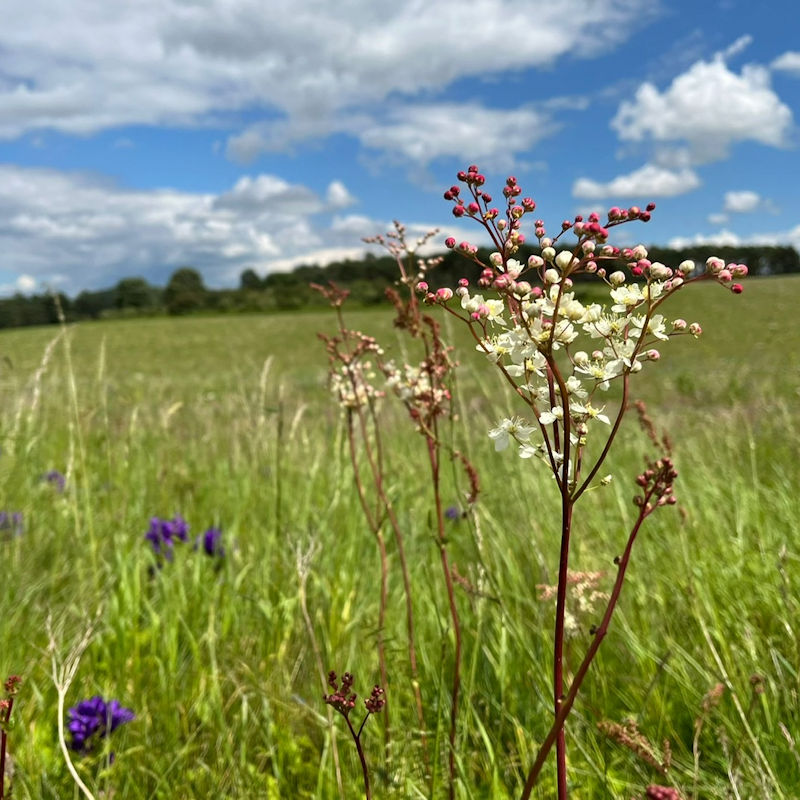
<point>726,237</point>
<point>84,66</point>
<point>644,183</point>
<point>710,107</point>
<point>56,224</point>
<point>742,201</point>
<point>422,133</point>
<point>717,218</point>
<point>338,196</point>
<point>788,62</point>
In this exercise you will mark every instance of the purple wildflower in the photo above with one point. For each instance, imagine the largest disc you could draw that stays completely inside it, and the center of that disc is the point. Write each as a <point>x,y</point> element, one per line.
<point>211,543</point>
<point>11,524</point>
<point>163,533</point>
<point>453,512</point>
<point>56,479</point>
<point>95,719</point>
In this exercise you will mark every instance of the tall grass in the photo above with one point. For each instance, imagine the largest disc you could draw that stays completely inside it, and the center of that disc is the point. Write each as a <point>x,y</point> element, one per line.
<point>227,421</point>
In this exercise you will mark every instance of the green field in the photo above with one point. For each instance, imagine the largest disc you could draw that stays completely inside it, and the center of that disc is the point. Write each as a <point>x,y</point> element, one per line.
<point>228,421</point>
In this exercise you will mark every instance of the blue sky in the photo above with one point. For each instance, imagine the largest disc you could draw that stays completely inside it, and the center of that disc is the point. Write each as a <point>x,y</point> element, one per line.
<point>137,136</point>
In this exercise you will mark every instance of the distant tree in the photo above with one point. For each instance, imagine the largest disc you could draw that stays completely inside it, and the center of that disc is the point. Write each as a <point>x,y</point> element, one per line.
<point>249,279</point>
<point>185,291</point>
<point>135,293</point>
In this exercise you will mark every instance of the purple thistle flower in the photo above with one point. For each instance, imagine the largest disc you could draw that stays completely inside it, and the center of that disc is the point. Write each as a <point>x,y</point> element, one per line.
<point>163,534</point>
<point>56,479</point>
<point>95,719</point>
<point>211,543</point>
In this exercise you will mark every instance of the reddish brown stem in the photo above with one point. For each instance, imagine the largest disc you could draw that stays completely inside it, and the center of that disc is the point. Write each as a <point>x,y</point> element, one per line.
<point>569,699</point>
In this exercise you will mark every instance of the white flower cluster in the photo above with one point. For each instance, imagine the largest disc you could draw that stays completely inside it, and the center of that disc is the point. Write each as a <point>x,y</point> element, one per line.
<point>351,384</point>
<point>412,384</point>
<point>534,336</point>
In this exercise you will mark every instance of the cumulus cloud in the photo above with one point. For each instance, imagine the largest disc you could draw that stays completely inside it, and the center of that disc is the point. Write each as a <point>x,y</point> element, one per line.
<point>729,238</point>
<point>644,183</point>
<point>788,62</point>
<point>55,224</point>
<point>84,66</point>
<point>742,202</point>
<point>423,133</point>
<point>709,106</point>
<point>338,196</point>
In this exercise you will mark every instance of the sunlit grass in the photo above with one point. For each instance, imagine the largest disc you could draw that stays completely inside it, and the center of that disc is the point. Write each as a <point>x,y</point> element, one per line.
<point>228,422</point>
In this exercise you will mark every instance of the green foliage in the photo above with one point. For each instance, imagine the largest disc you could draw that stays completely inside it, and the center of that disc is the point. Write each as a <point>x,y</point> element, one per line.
<point>185,291</point>
<point>219,665</point>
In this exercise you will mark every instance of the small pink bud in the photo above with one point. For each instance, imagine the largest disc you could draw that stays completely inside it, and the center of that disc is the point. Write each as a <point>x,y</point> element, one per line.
<point>695,329</point>
<point>679,325</point>
<point>594,217</point>
<point>472,168</point>
<point>653,355</point>
<point>461,175</point>
<point>740,270</point>
<point>511,180</point>
<point>724,275</point>
<point>450,242</point>
<point>614,212</point>
<point>528,204</point>
<point>651,207</point>
<point>459,211</point>
<point>444,294</point>
<point>637,271</point>
<point>473,208</point>
<point>480,180</point>
<point>448,195</point>
<point>455,190</point>
<point>422,286</point>
<point>737,288</point>
<point>634,211</point>
<point>463,282</point>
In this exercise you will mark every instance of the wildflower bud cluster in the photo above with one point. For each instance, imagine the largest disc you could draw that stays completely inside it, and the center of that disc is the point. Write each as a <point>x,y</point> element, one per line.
<point>656,484</point>
<point>561,353</point>
<point>343,699</point>
<point>352,372</point>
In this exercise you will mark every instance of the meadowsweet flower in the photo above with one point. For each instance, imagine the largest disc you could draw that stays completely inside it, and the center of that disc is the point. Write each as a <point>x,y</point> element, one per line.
<point>508,429</point>
<point>211,543</point>
<point>163,534</point>
<point>95,719</point>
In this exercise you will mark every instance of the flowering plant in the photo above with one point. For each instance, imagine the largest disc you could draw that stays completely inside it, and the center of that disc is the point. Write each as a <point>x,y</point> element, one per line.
<point>560,356</point>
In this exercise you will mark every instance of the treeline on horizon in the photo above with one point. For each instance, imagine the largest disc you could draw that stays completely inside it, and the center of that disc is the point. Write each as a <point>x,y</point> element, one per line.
<point>366,279</point>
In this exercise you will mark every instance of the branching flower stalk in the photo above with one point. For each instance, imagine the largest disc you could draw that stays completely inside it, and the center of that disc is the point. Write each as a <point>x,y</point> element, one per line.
<point>528,330</point>
<point>343,700</point>
<point>424,390</point>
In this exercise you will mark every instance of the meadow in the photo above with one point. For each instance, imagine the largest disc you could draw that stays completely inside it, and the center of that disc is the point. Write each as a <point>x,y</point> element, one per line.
<point>228,422</point>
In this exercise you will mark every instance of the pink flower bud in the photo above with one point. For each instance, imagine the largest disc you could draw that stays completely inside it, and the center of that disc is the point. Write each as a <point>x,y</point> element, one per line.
<point>737,288</point>
<point>472,168</point>
<point>634,211</point>
<point>422,286</point>
<point>528,204</point>
<point>449,242</point>
<point>679,325</point>
<point>473,208</point>
<point>651,207</point>
<point>448,195</point>
<point>724,275</point>
<point>695,329</point>
<point>461,175</point>
<point>653,355</point>
<point>637,272</point>
<point>463,282</point>
<point>740,270</point>
<point>594,217</point>
<point>487,198</point>
<point>459,211</point>
<point>614,212</point>
<point>444,294</point>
